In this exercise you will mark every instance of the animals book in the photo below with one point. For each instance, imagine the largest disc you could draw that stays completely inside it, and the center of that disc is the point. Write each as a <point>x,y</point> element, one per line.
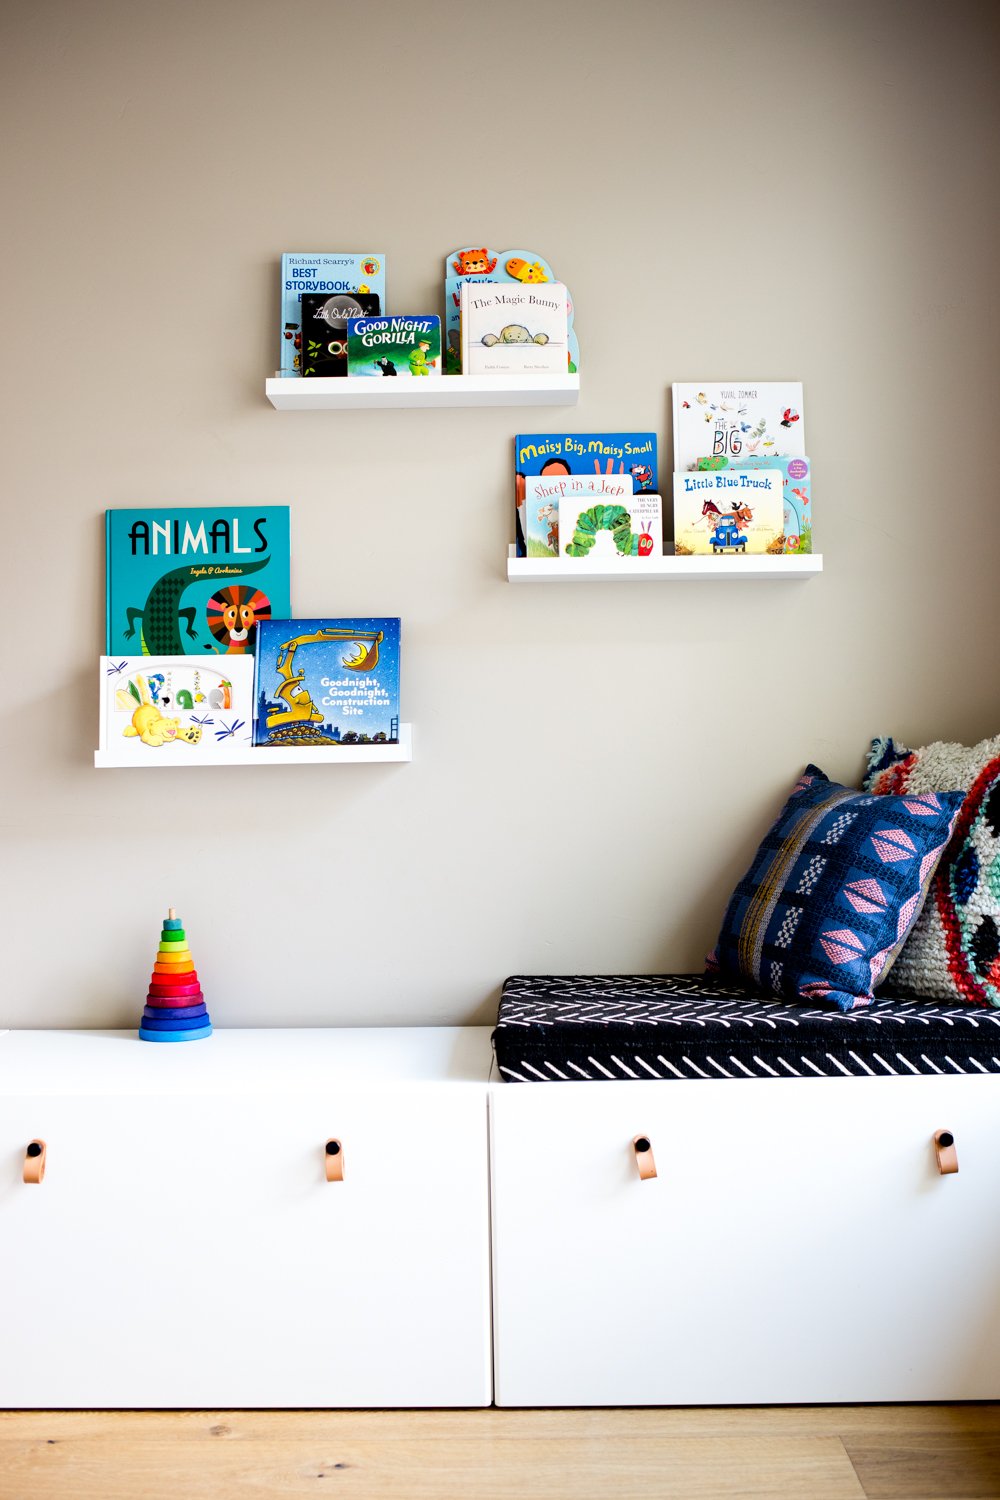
<point>554,453</point>
<point>394,346</point>
<point>726,511</point>
<point>327,682</point>
<point>796,492</point>
<point>324,330</point>
<point>601,517</point>
<point>174,709</point>
<point>473,265</point>
<point>194,580</point>
<point>329,272</point>
<point>510,329</point>
<point>737,419</point>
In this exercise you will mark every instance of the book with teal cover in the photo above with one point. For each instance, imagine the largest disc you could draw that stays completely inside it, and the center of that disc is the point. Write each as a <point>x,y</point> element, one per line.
<point>194,580</point>
<point>327,682</point>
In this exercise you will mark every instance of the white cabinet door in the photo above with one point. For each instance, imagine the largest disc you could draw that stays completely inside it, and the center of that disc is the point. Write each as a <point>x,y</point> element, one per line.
<point>798,1243</point>
<point>189,1251</point>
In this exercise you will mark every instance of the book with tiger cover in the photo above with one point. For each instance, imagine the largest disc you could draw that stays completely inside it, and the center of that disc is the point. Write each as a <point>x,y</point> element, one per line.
<point>194,580</point>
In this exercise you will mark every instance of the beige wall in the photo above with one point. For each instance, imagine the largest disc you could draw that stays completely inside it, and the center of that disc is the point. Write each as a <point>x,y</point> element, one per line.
<point>759,190</point>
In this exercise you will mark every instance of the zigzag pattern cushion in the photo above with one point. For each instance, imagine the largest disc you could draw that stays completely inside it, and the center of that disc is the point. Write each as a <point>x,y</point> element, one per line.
<point>954,947</point>
<point>601,1028</point>
<point>833,891</point>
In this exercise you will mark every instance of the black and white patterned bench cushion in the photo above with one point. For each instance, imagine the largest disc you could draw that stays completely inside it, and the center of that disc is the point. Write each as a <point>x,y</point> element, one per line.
<point>669,1026</point>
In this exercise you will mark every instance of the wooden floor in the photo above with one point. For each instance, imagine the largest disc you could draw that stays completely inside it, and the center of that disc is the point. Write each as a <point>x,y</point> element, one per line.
<point>804,1453</point>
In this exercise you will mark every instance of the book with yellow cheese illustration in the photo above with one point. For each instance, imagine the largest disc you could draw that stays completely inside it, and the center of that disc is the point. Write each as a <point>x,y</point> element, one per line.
<point>175,709</point>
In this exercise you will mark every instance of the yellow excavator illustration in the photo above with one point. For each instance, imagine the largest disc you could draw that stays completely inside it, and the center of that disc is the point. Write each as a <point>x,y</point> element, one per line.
<point>299,707</point>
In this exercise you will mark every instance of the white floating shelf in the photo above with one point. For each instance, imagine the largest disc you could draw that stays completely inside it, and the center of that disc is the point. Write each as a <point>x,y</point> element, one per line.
<point>177,756</point>
<point>729,569</point>
<point>292,393</point>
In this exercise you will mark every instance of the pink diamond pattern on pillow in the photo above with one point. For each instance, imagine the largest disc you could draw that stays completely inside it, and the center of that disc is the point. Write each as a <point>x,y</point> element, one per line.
<point>892,845</point>
<point>865,895</point>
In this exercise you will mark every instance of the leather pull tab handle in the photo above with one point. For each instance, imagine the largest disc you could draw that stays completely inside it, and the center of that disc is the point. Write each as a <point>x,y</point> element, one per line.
<point>34,1162</point>
<point>945,1151</point>
<point>334,1161</point>
<point>643,1149</point>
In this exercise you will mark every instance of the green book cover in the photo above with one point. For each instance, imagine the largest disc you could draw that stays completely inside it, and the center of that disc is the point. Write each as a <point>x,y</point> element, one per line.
<point>380,347</point>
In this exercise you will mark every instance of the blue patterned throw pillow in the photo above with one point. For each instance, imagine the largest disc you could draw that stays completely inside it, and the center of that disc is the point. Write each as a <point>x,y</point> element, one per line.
<point>833,891</point>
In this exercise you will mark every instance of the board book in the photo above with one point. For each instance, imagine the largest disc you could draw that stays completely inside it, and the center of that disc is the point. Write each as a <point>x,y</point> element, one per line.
<point>535,454</point>
<point>510,329</point>
<point>194,580</point>
<point>175,708</point>
<point>327,682</point>
<point>328,272</point>
<point>600,516</point>
<point>736,419</point>
<point>796,490</point>
<point>324,330</point>
<point>728,512</point>
<point>475,265</point>
<point>407,346</point>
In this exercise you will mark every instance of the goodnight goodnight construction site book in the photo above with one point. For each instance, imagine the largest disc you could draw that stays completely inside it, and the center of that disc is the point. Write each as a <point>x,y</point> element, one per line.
<point>394,346</point>
<point>194,580</point>
<point>327,682</point>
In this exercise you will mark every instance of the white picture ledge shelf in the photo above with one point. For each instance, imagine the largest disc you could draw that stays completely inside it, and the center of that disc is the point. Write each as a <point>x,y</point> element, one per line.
<point>177,756</point>
<point>727,569</point>
<point>354,393</point>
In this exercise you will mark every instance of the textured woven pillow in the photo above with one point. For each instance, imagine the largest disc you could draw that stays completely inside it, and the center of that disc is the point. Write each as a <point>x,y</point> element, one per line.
<point>953,950</point>
<point>833,891</point>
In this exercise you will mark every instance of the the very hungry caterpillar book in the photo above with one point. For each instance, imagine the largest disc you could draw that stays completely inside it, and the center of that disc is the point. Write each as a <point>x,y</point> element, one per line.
<point>409,346</point>
<point>328,272</point>
<point>557,453</point>
<point>194,580</point>
<point>327,682</point>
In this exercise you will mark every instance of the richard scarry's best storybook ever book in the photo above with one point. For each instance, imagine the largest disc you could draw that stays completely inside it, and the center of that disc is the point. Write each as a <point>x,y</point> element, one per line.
<point>194,580</point>
<point>327,682</point>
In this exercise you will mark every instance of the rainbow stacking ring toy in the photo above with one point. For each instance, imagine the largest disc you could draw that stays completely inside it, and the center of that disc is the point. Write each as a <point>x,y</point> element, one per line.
<point>175,1009</point>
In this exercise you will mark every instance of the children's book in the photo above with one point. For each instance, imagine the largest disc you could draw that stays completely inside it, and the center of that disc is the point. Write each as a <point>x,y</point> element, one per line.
<point>324,330</point>
<point>550,453</point>
<point>474,266</point>
<point>394,346</point>
<point>510,329</point>
<point>327,682</point>
<point>602,517</point>
<point>737,419</point>
<point>328,272</point>
<point>194,580</point>
<point>175,708</point>
<point>725,511</point>
<point>795,488</point>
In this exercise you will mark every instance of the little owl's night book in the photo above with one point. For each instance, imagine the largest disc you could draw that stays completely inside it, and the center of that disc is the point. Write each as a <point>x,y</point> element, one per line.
<point>193,581</point>
<point>737,419</point>
<point>327,682</point>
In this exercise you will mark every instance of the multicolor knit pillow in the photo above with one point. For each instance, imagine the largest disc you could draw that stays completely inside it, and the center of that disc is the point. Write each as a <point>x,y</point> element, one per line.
<point>954,949</point>
<point>833,891</point>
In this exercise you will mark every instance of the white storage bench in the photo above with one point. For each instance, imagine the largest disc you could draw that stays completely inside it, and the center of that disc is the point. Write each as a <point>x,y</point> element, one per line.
<point>799,1241</point>
<point>185,1247</point>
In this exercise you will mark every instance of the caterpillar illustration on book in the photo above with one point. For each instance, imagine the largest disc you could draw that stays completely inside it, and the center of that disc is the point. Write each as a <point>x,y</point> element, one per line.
<point>613,518</point>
